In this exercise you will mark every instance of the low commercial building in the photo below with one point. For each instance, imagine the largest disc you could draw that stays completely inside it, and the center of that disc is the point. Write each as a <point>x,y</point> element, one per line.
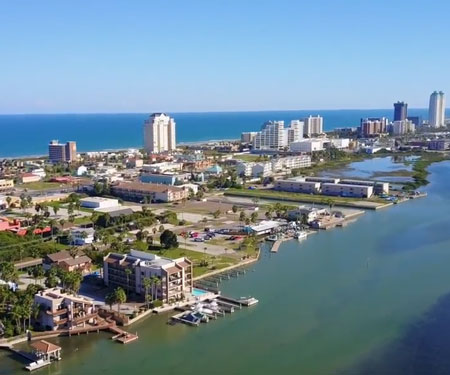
<point>166,178</point>
<point>26,178</point>
<point>306,213</point>
<point>6,184</point>
<point>439,145</point>
<point>162,167</point>
<point>347,190</point>
<point>60,310</point>
<point>264,227</point>
<point>307,145</point>
<point>297,185</point>
<point>175,275</point>
<point>98,202</point>
<point>138,191</point>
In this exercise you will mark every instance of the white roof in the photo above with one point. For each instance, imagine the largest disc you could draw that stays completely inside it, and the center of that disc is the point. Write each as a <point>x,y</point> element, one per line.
<point>97,199</point>
<point>265,225</point>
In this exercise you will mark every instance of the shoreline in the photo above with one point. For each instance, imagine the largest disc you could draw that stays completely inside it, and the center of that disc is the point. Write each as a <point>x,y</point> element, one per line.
<point>120,149</point>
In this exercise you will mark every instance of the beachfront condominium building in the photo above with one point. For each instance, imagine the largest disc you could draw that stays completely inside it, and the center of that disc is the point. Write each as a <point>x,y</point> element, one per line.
<point>400,111</point>
<point>175,276</point>
<point>436,111</point>
<point>248,137</point>
<point>159,133</point>
<point>403,127</point>
<point>373,126</point>
<point>294,132</point>
<point>313,125</point>
<point>271,136</point>
<point>62,153</point>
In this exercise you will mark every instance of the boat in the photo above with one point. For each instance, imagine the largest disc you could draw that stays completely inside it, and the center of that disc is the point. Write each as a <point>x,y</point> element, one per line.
<point>300,235</point>
<point>272,238</point>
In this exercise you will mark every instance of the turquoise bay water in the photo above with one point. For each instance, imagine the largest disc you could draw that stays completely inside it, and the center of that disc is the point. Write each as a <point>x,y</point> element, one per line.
<point>113,131</point>
<point>371,298</point>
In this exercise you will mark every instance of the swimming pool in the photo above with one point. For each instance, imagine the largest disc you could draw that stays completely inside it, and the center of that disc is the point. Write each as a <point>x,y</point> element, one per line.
<point>198,292</point>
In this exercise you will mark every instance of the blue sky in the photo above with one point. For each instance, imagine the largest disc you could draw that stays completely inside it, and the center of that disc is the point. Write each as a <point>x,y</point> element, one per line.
<point>213,55</point>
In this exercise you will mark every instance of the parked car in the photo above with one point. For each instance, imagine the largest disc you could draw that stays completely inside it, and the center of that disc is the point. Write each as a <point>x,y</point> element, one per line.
<point>199,239</point>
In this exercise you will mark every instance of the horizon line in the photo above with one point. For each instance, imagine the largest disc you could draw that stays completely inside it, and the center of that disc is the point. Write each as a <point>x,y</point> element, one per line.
<point>195,112</point>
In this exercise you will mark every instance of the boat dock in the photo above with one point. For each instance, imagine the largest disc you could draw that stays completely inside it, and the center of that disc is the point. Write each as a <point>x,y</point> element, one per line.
<point>196,314</point>
<point>122,336</point>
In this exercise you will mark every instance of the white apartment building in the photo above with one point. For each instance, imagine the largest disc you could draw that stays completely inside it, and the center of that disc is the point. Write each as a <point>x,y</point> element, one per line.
<point>436,111</point>
<point>340,143</point>
<point>307,145</point>
<point>403,127</point>
<point>313,125</point>
<point>159,133</point>
<point>271,136</point>
<point>291,162</point>
<point>263,169</point>
<point>297,185</point>
<point>347,190</point>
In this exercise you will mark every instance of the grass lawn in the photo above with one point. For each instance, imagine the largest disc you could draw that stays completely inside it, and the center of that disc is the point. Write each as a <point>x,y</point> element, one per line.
<point>247,157</point>
<point>299,197</point>
<point>203,263</point>
<point>41,185</point>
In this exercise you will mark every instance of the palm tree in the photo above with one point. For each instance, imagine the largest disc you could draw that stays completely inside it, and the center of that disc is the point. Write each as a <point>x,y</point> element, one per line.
<point>120,297</point>
<point>110,299</point>
<point>8,200</point>
<point>55,210</point>
<point>147,283</point>
<point>128,272</point>
<point>155,283</point>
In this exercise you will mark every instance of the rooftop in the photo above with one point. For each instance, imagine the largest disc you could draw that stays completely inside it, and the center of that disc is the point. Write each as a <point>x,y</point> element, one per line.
<point>140,186</point>
<point>45,346</point>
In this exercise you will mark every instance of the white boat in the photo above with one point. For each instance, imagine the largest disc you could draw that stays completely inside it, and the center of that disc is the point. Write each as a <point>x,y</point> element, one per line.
<point>272,238</point>
<point>300,235</point>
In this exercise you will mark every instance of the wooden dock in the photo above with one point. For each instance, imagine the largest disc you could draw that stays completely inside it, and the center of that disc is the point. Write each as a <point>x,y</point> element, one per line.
<point>276,246</point>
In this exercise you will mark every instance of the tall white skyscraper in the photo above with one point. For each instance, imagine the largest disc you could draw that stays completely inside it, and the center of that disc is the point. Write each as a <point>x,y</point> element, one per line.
<point>313,125</point>
<point>159,133</point>
<point>271,137</point>
<point>436,111</point>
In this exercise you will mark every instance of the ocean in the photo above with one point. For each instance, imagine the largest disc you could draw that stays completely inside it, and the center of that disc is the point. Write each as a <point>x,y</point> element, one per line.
<point>26,135</point>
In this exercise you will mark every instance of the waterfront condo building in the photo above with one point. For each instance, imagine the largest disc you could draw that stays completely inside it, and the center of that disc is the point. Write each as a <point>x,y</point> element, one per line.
<point>271,136</point>
<point>159,133</point>
<point>60,153</point>
<point>313,125</point>
<point>400,111</point>
<point>373,126</point>
<point>436,111</point>
<point>58,310</point>
<point>175,275</point>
